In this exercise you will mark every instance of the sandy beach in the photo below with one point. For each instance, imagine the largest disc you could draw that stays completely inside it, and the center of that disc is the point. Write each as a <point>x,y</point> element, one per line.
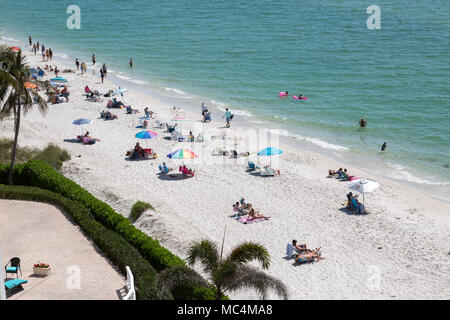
<point>398,250</point>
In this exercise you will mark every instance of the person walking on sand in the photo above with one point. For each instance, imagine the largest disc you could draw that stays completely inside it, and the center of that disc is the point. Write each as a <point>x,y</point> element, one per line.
<point>29,39</point>
<point>93,59</point>
<point>383,147</point>
<point>37,46</point>
<point>102,75</point>
<point>77,63</point>
<point>131,62</point>
<point>50,53</point>
<point>228,116</point>
<point>34,49</point>
<point>105,71</point>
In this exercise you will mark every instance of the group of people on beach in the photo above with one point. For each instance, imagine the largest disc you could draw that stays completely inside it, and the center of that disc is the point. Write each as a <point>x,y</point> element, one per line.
<point>241,207</point>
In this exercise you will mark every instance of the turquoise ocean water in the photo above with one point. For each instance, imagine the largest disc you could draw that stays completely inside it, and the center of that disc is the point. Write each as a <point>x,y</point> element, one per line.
<point>242,53</point>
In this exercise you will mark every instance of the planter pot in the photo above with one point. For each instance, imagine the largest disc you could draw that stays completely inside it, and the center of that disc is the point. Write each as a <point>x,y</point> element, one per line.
<point>42,271</point>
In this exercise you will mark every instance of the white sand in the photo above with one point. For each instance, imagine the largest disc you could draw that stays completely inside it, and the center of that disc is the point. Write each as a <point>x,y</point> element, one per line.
<point>399,250</point>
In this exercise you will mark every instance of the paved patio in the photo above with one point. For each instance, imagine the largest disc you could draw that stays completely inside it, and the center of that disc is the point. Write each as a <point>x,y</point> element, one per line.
<point>38,232</point>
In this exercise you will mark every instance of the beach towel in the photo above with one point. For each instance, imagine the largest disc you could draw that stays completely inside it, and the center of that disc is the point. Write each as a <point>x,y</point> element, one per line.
<point>246,220</point>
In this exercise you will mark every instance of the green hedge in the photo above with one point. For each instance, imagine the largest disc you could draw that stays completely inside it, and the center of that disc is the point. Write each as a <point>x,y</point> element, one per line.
<point>138,208</point>
<point>119,251</point>
<point>38,174</point>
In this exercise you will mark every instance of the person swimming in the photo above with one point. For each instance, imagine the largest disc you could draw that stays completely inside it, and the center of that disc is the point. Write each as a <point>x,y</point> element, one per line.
<point>362,123</point>
<point>383,147</point>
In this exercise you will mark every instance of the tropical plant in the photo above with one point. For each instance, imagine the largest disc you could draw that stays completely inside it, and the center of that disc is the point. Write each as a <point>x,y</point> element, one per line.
<point>232,272</point>
<point>14,98</point>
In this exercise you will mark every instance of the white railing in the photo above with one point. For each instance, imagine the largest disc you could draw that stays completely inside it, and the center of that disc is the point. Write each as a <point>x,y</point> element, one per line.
<point>131,294</point>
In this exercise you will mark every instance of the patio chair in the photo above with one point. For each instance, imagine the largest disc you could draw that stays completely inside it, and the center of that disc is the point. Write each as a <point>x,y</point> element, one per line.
<point>14,267</point>
<point>266,171</point>
<point>14,283</point>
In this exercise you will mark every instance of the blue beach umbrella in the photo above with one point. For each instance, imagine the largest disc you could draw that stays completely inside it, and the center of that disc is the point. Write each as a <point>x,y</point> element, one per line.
<point>81,122</point>
<point>59,79</point>
<point>148,134</point>
<point>270,151</point>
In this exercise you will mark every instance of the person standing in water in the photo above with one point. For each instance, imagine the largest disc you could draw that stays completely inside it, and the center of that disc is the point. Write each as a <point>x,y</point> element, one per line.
<point>93,59</point>
<point>104,70</point>
<point>29,39</point>
<point>362,123</point>
<point>131,62</point>
<point>77,63</point>
<point>102,75</point>
<point>383,147</point>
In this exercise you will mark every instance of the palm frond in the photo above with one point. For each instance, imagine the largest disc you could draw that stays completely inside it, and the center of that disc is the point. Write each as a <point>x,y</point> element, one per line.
<point>178,277</point>
<point>249,251</point>
<point>252,278</point>
<point>206,252</point>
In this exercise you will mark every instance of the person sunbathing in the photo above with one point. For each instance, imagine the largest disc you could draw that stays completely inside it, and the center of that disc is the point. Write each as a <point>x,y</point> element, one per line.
<point>244,204</point>
<point>87,137</point>
<point>65,93</point>
<point>334,173</point>
<point>110,116</point>
<point>299,248</point>
<point>131,110</point>
<point>252,215</point>
<point>349,200</point>
<point>345,176</point>
<point>237,207</point>
<point>309,256</point>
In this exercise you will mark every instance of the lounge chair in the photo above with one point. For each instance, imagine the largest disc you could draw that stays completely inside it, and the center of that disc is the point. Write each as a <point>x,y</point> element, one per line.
<point>251,166</point>
<point>186,172</point>
<point>159,124</point>
<point>14,267</point>
<point>267,171</point>
<point>15,283</point>
<point>358,207</point>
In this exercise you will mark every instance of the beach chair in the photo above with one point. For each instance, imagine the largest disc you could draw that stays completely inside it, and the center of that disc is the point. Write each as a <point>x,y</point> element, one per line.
<point>358,207</point>
<point>251,166</point>
<point>291,251</point>
<point>14,267</point>
<point>15,283</point>
<point>148,152</point>
<point>266,171</point>
<point>159,124</point>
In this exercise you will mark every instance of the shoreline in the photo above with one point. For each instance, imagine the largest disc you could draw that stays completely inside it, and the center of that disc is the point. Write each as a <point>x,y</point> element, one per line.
<point>406,223</point>
<point>390,169</point>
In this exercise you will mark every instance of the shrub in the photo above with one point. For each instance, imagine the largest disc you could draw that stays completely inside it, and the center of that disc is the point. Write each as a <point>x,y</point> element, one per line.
<point>139,208</point>
<point>39,174</point>
<point>53,155</point>
<point>119,251</point>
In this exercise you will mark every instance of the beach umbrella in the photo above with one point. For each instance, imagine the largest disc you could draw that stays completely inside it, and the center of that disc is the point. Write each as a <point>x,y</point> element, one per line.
<point>120,91</point>
<point>59,79</point>
<point>182,154</point>
<point>364,186</point>
<point>147,134</point>
<point>180,119</point>
<point>81,122</point>
<point>270,151</point>
<point>29,86</point>
<point>15,49</point>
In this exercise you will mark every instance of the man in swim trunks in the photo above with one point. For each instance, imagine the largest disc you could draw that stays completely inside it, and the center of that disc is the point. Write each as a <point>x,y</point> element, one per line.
<point>131,62</point>
<point>227,116</point>
<point>383,147</point>
<point>93,59</point>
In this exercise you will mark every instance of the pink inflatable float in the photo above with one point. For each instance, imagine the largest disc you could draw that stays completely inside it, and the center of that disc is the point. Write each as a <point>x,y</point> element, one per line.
<point>301,98</point>
<point>283,94</point>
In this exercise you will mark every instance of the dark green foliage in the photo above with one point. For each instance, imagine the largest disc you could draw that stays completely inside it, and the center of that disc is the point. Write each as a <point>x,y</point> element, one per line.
<point>119,251</point>
<point>138,208</point>
<point>53,155</point>
<point>39,174</point>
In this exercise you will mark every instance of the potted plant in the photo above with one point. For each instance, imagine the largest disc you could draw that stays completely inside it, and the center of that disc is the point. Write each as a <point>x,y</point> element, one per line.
<point>42,269</point>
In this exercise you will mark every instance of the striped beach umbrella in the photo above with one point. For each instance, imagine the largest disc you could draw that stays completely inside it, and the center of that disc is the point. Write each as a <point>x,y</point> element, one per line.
<point>147,134</point>
<point>182,154</point>
<point>59,79</point>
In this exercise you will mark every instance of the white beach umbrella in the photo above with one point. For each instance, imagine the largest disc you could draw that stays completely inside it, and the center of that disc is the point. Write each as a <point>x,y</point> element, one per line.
<point>364,186</point>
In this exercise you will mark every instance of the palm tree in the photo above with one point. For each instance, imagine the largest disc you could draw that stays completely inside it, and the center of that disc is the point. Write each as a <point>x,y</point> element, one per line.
<point>232,273</point>
<point>14,98</point>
